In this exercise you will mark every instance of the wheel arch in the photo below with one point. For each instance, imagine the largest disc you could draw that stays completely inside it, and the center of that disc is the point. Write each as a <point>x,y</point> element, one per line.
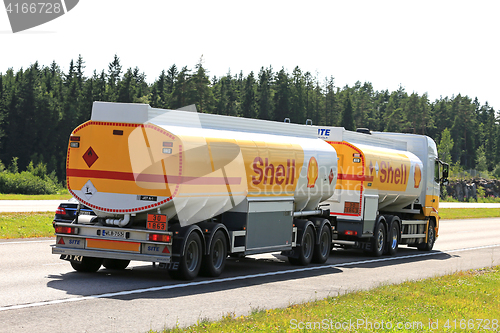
<point>181,234</point>
<point>380,219</point>
<point>302,225</point>
<point>433,219</point>
<point>208,230</point>
<point>389,219</point>
<point>318,223</point>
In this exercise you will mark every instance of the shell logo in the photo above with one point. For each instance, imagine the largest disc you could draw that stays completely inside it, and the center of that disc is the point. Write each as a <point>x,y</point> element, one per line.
<point>312,172</point>
<point>417,176</point>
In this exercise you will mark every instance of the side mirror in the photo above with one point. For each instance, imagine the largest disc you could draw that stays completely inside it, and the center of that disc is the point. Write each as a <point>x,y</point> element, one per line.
<point>444,179</point>
<point>445,172</point>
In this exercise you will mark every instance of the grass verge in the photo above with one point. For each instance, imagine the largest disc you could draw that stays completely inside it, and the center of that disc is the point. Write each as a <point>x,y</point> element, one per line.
<point>468,213</point>
<point>23,225</point>
<point>462,302</point>
<point>62,195</point>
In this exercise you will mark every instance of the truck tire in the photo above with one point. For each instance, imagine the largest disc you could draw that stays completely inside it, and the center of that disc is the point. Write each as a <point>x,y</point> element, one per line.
<point>322,249</point>
<point>378,240</point>
<point>393,241</point>
<point>87,265</point>
<point>117,264</point>
<point>213,263</point>
<point>431,238</point>
<point>190,262</point>
<point>306,249</point>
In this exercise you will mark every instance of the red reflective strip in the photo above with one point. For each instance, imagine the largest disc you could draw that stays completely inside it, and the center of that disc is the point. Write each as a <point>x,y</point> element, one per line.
<point>355,177</point>
<point>128,176</point>
<point>344,214</point>
<point>100,174</point>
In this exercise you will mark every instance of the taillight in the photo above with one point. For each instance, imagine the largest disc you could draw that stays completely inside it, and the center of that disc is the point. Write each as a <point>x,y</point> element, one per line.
<point>74,141</point>
<point>160,238</point>
<point>350,233</point>
<point>61,210</point>
<point>66,230</point>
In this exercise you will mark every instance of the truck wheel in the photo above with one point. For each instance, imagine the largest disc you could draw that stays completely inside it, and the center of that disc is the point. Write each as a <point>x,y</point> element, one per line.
<point>392,247</point>
<point>87,265</point>
<point>117,264</point>
<point>378,240</point>
<point>213,263</point>
<point>190,262</point>
<point>306,249</point>
<point>431,238</point>
<point>322,249</point>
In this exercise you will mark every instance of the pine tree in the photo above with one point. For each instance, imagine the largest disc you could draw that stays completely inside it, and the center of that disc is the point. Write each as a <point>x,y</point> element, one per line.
<point>411,113</point>
<point>170,79</point>
<point>381,101</point>
<point>182,89</point>
<point>393,117</point>
<point>126,88</point>
<point>464,130</point>
<point>282,96</point>
<point>264,93</point>
<point>248,105</point>
<point>297,112</point>
<point>80,65</point>
<point>114,72</point>
<point>347,120</point>
<point>331,116</point>
<point>318,101</point>
<point>158,92</point>
<point>201,94</point>
<point>445,146</point>
<point>141,86</point>
<point>309,88</point>
<point>99,89</point>
<point>481,162</point>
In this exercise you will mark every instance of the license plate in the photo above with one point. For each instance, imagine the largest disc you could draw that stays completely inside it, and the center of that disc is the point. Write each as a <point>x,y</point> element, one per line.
<point>71,257</point>
<point>113,233</point>
<point>157,222</point>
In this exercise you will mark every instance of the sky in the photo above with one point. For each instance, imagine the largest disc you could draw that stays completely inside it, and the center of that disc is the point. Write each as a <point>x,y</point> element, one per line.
<point>442,48</point>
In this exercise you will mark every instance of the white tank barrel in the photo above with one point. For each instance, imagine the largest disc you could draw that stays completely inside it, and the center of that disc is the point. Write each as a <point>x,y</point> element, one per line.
<point>130,159</point>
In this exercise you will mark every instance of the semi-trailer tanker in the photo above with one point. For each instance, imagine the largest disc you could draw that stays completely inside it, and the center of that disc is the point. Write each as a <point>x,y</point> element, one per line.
<point>387,191</point>
<point>186,190</point>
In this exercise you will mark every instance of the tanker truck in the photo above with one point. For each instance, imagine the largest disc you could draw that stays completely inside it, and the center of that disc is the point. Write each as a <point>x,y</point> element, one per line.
<point>387,192</point>
<point>185,190</point>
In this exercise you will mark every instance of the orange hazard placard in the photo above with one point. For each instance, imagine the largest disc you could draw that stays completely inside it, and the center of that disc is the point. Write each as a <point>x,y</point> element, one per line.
<point>351,207</point>
<point>157,222</point>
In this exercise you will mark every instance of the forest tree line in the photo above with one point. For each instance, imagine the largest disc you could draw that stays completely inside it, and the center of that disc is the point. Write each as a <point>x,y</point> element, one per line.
<point>41,105</point>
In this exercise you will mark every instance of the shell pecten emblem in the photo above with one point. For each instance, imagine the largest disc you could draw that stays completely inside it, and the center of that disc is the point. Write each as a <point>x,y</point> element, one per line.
<point>417,176</point>
<point>312,172</point>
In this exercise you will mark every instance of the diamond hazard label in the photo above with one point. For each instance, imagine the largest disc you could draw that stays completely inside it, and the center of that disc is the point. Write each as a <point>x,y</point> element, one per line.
<point>90,157</point>
<point>89,189</point>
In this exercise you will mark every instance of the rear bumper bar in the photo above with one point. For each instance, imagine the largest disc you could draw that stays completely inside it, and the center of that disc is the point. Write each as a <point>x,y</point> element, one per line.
<point>110,254</point>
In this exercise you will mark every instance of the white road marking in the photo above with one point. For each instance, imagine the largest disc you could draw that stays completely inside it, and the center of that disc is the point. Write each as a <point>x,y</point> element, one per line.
<point>235,278</point>
<point>24,242</point>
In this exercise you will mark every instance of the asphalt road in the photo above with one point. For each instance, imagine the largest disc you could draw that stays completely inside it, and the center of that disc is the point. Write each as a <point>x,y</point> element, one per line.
<point>40,293</point>
<point>29,205</point>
